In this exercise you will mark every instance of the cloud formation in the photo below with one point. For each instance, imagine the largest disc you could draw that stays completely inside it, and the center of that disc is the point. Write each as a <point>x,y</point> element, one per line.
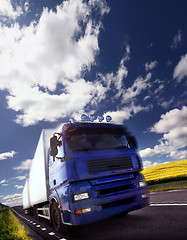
<point>180,71</point>
<point>150,65</point>
<point>12,200</point>
<point>174,139</point>
<point>7,11</point>
<point>5,155</point>
<point>4,181</point>
<point>177,39</point>
<point>149,164</point>
<point>18,186</point>
<point>24,165</point>
<point>43,64</point>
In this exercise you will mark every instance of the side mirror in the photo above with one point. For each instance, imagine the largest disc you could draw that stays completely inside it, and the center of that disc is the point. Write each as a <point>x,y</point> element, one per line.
<point>53,146</point>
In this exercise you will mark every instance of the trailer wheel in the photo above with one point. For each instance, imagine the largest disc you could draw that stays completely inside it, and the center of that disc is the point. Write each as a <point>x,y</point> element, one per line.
<point>56,218</point>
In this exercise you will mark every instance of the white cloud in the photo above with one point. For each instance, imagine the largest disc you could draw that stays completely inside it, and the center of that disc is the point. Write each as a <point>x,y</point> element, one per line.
<point>165,104</point>
<point>5,155</point>
<point>151,65</point>
<point>172,119</point>
<point>114,80</point>
<point>159,89</point>
<point>55,51</point>
<point>174,139</point>
<point>20,177</point>
<point>8,12</point>
<point>125,113</point>
<point>149,164</point>
<point>138,86</point>
<point>180,70</point>
<point>13,200</point>
<point>3,181</point>
<point>18,186</point>
<point>24,165</point>
<point>177,40</point>
<point>101,6</point>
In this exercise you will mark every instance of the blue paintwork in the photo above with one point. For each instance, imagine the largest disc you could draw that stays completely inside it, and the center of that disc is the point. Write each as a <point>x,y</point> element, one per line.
<point>72,177</point>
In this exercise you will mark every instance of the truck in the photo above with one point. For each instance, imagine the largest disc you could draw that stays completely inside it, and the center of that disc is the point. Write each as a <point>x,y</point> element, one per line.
<point>83,172</point>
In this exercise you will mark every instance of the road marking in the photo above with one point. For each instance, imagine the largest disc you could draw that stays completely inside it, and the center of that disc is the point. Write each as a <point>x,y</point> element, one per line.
<point>43,229</point>
<point>177,190</point>
<point>167,204</point>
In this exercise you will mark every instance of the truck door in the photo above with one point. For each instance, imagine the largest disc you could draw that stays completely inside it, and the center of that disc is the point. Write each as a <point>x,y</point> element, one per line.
<point>57,167</point>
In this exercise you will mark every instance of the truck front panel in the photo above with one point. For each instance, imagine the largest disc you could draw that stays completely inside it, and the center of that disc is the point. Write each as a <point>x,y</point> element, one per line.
<point>104,197</point>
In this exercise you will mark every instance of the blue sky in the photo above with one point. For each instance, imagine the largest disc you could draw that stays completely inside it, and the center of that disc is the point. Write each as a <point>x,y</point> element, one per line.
<point>126,58</point>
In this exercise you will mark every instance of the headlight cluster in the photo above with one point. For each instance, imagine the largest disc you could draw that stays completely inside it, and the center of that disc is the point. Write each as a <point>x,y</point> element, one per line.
<point>142,184</point>
<point>80,196</point>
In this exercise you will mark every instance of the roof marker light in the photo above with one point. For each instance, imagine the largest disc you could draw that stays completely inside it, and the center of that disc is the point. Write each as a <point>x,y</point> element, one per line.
<point>108,118</point>
<point>84,117</point>
<point>100,118</point>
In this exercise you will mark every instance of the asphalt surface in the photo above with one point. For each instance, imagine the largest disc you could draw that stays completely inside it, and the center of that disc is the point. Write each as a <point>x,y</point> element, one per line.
<point>165,218</point>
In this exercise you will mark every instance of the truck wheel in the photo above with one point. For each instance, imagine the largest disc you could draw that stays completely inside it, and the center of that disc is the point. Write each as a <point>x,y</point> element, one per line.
<point>56,218</point>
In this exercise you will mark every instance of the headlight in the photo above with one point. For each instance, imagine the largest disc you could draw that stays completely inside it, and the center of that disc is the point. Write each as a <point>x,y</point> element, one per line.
<point>142,184</point>
<point>80,196</point>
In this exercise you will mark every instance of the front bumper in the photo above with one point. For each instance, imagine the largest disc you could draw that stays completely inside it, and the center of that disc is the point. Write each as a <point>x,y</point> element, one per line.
<point>107,200</point>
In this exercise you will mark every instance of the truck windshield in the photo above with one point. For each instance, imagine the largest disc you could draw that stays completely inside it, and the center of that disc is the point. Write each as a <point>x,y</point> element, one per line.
<point>85,139</point>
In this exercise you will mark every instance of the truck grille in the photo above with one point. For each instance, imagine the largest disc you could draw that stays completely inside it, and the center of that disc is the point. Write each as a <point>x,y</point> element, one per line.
<point>109,164</point>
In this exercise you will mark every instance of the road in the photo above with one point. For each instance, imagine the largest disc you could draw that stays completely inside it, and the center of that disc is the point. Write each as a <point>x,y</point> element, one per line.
<point>165,218</point>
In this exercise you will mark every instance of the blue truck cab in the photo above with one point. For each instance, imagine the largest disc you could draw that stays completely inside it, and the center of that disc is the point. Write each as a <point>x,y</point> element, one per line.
<point>93,173</point>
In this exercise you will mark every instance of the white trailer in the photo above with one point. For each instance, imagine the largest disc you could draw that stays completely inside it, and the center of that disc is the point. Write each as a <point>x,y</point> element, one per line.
<point>26,198</point>
<point>36,187</point>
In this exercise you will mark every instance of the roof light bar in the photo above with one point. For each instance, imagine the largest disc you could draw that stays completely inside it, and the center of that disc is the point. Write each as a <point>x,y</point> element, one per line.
<point>92,118</point>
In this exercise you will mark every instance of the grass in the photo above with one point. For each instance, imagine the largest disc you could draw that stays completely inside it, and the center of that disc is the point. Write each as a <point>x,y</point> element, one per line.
<point>10,227</point>
<point>168,176</point>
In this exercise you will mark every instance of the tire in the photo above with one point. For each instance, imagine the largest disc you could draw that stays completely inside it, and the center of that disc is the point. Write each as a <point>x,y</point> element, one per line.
<point>56,218</point>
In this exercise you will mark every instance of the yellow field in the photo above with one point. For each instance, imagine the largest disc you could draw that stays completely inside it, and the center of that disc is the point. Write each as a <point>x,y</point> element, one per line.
<point>167,170</point>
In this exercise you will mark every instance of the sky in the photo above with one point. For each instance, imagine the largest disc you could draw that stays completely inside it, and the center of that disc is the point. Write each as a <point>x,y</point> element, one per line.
<point>60,59</point>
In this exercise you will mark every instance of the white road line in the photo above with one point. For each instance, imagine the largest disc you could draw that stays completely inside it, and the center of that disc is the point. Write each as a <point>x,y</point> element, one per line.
<point>177,190</point>
<point>43,229</point>
<point>18,214</point>
<point>167,204</point>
